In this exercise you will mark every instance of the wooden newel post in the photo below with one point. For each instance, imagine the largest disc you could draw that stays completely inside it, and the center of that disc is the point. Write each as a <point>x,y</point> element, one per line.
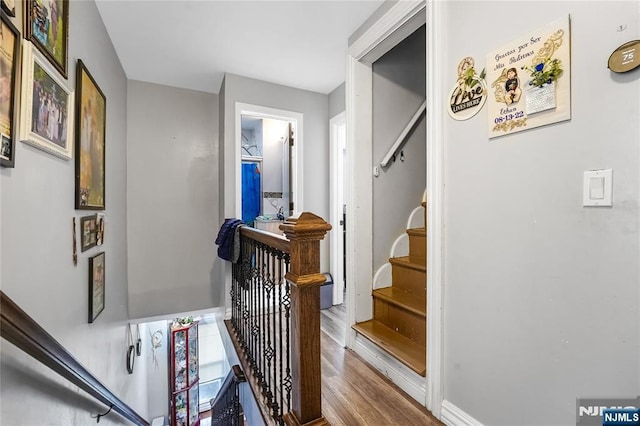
<point>305,233</point>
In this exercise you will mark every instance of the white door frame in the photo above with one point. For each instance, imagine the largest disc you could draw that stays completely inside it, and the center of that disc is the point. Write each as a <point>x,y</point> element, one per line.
<point>394,25</point>
<point>296,152</point>
<point>337,197</point>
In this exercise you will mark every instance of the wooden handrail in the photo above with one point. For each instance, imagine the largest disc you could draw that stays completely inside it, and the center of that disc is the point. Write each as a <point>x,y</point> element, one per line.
<point>20,329</point>
<point>276,241</point>
<point>225,407</point>
<point>396,145</point>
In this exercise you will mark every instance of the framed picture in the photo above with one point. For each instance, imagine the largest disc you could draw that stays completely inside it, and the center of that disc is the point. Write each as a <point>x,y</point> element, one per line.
<point>47,26</point>
<point>89,232</point>
<point>90,141</point>
<point>9,6</point>
<point>96,286</point>
<point>46,118</point>
<point>9,62</point>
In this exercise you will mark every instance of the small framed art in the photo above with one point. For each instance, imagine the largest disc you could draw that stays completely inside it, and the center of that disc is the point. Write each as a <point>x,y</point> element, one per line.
<point>46,118</point>
<point>47,26</point>
<point>96,286</point>
<point>90,141</point>
<point>9,63</point>
<point>89,230</point>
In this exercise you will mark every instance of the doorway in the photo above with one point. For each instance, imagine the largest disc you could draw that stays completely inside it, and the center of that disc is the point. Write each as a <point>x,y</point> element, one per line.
<point>268,148</point>
<point>338,195</point>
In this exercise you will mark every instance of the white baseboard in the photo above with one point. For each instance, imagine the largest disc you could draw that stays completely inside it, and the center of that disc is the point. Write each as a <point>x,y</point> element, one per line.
<point>407,380</point>
<point>454,416</point>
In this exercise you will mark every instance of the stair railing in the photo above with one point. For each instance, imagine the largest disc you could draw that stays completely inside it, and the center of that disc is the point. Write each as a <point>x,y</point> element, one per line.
<point>25,333</point>
<point>396,145</point>
<point>275,323</point>
<point>225,407</point>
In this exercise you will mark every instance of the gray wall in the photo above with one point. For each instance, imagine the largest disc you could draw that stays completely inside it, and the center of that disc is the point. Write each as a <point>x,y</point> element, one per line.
<point>37,271</point>
<point>337,101</point>
<point>172,205</point>
<point>541,294</point>
<point>315,156</point>
<point>398,90</point>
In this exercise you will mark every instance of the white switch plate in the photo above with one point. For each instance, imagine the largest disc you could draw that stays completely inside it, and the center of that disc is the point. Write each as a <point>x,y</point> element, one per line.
<point>598,188</point>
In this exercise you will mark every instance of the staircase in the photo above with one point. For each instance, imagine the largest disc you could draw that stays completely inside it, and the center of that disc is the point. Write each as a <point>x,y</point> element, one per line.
<point>399,324</point>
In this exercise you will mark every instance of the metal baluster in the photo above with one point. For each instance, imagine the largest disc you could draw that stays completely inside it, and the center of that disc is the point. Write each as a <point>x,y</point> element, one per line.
<point>287,325</point>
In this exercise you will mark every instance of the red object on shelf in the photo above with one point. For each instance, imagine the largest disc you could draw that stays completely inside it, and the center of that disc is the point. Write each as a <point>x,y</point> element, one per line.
<point>184,378</point>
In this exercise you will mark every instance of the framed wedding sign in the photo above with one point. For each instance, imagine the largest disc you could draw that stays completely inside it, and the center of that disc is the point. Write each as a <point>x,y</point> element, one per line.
<point>47,26</point>
<point>530,80</point>
<point>90,136</point>
<point>9,66</point>
<point>46,105</point>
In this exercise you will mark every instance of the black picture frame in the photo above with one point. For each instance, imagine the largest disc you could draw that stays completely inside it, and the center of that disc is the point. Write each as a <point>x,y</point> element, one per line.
<point>90,128</point>
<point>9,6</point>
<point>96,285</point>
<point>88,232</point>
<point>51,37</point>
<point>9,46</point>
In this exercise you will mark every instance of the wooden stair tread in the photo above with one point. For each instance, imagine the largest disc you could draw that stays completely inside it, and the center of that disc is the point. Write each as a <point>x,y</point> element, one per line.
<point>403,349</point>
<point>406,262</point>
<point>418,232</point>
<point>412,302</point>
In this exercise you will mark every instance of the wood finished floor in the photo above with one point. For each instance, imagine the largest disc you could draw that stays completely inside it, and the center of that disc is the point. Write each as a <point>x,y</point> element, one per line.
<point>353,393</point>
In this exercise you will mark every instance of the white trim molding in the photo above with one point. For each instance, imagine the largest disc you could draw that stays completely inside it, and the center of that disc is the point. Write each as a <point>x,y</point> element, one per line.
<point>454,416</point>
<point>402,376</point>
<point>401,20</point>
<point>435,209</point>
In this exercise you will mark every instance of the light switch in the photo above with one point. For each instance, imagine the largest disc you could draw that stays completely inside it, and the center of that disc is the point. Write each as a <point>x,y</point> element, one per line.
<point>598,188</point>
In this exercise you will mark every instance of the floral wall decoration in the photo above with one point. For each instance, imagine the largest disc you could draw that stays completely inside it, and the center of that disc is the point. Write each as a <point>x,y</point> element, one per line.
<point>530,80</point>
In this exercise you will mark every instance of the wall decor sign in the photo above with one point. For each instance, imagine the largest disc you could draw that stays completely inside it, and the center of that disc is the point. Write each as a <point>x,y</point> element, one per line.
<point>9,62</point>
<point>90,147</point>
<point>89,232</point>
<point>625,58</point>
<point>96,286</point>
<point>469,93</point>
<point>46,122</point>
<point>530,80</point>
<point>47,26</point>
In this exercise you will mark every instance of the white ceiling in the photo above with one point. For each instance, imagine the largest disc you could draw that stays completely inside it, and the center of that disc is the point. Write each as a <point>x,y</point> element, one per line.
<point>191,43</point>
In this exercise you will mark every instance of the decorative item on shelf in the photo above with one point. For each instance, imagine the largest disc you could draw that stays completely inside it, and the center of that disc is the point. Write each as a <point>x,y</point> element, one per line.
<point>88,232</point>
<point>45,96</point>
<point>46,25</point>
<point>96,285</point>
<point>90,146</point>
<point>131,351</point>
<point>625,58</point>
<point>9,72</point>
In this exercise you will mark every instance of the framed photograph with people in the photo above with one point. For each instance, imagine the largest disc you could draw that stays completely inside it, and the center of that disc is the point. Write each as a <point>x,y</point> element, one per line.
<point>9,66</point>
<point>91,119</point>
<point>47,26</point>
<point>47,106</point>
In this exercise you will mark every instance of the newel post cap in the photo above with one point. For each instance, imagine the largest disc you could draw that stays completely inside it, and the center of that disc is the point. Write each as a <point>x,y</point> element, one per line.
<point>306,226</point>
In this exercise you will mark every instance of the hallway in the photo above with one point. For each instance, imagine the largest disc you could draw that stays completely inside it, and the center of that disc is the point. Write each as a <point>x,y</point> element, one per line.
<point>355,394</point>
